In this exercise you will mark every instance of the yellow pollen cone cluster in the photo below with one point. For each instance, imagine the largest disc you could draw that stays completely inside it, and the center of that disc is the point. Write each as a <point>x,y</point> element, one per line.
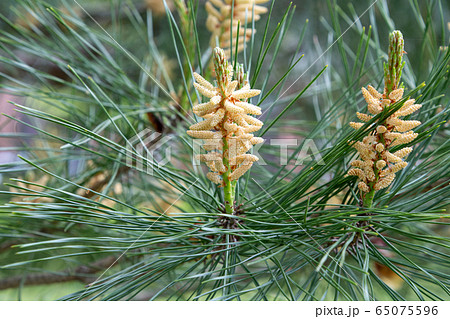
<point>377,165</point>
<point>219,21</point>
<point>227,125</point>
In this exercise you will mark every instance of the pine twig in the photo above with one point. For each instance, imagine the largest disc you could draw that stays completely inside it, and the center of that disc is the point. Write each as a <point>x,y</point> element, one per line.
<point>82,273</point>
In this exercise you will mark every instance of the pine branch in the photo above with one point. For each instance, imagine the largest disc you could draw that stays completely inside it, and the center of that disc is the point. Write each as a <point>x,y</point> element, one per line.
<point>84,274</point>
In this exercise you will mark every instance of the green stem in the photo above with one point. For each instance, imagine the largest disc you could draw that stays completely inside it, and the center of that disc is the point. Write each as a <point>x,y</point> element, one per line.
<point>222,76</point>
<point>368,199</point>
<point>228,188</point>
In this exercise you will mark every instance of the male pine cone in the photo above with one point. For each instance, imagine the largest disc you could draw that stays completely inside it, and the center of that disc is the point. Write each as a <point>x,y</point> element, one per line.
<point>224,16</point>
<point>228,123</point>
<point>377,166</point>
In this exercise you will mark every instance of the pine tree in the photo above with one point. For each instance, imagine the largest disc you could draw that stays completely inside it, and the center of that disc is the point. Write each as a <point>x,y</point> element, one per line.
<point>106,196</point>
